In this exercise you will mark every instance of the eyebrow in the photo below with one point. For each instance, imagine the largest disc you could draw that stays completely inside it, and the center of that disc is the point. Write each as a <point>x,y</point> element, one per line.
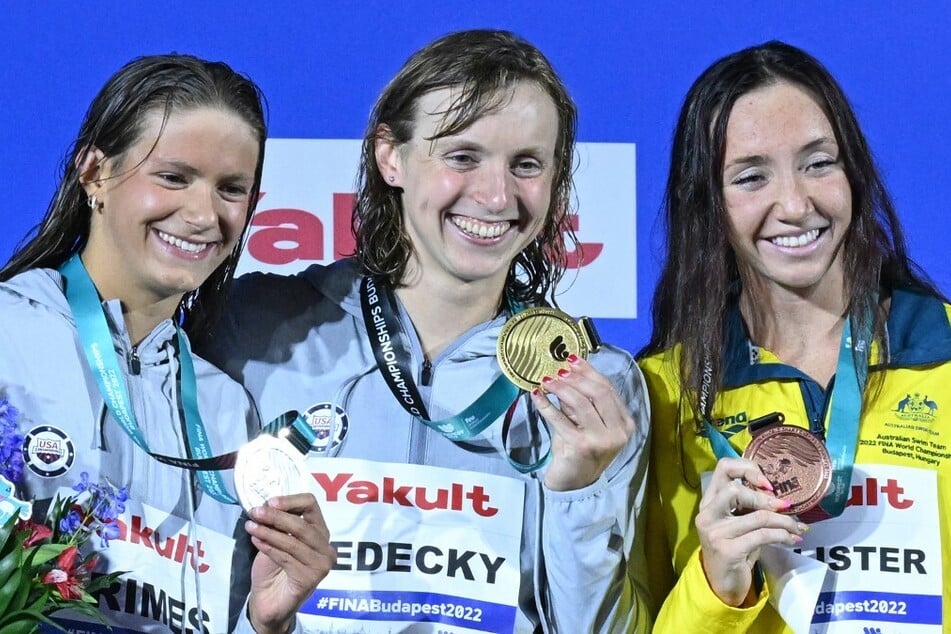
<point>759,159</point>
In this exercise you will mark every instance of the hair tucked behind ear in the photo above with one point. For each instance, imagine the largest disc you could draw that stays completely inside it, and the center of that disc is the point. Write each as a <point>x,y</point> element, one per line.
<point>115,122</point>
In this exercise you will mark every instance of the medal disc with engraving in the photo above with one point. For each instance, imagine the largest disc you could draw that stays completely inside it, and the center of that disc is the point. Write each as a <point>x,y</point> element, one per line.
<point>536,343</point>
<point>795,462</point>
<point>268,467</point>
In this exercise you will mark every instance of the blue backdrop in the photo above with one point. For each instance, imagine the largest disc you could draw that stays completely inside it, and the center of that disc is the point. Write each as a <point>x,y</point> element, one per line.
<point>628,65</point>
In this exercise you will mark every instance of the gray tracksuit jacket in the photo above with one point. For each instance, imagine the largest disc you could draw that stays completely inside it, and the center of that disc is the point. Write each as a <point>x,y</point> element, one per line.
<point>170,522</point>
<point>301,340</point>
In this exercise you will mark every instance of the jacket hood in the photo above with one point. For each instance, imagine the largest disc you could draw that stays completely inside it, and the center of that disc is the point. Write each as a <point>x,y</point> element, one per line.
<point>339,282</point>
<point>40,286</point>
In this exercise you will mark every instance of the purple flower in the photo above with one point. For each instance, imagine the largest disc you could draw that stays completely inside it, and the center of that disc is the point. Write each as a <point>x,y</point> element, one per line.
<point>108,502</point>
<point>11,443</point>
<point>83,483</point>
<point>108,530</point>
<point>71,523</point>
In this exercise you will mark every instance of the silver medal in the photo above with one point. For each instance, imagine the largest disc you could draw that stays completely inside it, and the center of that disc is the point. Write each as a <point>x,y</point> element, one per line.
<point>268,467</point>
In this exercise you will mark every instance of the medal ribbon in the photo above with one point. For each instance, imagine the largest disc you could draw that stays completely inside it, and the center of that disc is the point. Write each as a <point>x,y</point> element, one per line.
<point>93,330</point>
<point>842,423</point>
<point>391,350</point>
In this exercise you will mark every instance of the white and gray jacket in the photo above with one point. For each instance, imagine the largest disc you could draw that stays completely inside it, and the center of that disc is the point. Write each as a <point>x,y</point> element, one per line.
<point>295,341</point>
<point>44,374</point>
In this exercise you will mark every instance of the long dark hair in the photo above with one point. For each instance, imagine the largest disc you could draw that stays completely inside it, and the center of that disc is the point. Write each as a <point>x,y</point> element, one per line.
<point>115,122</point>
<point>700,268</point>
<point>486,65</point>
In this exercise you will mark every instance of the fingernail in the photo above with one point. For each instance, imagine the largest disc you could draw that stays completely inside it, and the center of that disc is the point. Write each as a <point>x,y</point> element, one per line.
<point>573,358</point>
<point>563,373</point>
<point>536,391</point>
<point>796,539</point>
<point>547,379</point>
<point>803,528</point>
<point>250,526</point>
<point>768,486</point>
<point>782,504</point>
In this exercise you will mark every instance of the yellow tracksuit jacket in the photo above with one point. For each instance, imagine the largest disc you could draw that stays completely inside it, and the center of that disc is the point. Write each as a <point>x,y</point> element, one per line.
<point>906,420</point>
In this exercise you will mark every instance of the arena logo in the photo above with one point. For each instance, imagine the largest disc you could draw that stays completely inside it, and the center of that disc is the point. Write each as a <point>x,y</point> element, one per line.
<point>304,215</point>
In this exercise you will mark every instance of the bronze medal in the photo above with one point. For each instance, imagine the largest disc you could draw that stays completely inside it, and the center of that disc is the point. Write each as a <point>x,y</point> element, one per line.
<point>795,462</point>
<point>536,343</point>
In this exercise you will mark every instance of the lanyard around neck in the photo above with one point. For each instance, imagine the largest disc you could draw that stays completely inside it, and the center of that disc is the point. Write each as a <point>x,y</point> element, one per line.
<point>392,352</point>
<point>96,340</point>
<point>842,425</point>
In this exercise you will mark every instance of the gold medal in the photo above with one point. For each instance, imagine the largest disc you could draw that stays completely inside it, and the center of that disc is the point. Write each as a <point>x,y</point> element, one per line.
<point>536,343</point>
<point>268,467</point>
<point>795,462</point>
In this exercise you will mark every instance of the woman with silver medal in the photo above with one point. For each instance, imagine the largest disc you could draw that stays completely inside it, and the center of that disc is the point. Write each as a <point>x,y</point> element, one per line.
<point>132,259</point>
<point>789,326</point>
<point>461,224</point>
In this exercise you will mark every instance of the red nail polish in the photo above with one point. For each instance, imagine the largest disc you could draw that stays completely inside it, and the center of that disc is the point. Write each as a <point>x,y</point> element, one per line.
<point>573,358</point>
<point>563,373</point>
<point>536,391</point>
<point>547,379</point>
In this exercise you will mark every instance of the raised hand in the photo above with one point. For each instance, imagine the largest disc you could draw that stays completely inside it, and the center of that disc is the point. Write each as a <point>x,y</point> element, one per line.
<point>589,427</point>
<point>735,521</point>
<point>295,555</point>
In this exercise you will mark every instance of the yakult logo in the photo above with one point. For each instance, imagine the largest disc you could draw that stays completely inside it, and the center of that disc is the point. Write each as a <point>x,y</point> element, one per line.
<point>174,548</point>
<point>872,493</point>
<point>456,497</point>
<point>304,217</point>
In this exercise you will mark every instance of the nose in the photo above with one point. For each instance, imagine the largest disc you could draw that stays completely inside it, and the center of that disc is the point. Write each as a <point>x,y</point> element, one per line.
<point>199,207</point>
<point>494,187</point>
<point>792,197</point>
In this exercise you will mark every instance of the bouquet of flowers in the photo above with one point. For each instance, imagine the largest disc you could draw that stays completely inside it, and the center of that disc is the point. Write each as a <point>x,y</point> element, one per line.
<point>47,566</point>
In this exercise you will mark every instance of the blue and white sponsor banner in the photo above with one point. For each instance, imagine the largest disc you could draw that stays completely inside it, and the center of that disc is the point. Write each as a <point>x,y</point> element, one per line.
<point>875,567</point>
<point>421,549</point>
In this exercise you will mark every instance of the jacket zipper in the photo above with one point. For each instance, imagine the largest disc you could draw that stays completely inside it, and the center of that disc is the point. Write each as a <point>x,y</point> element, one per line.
<point>135,365</point>
<point>427,373</point>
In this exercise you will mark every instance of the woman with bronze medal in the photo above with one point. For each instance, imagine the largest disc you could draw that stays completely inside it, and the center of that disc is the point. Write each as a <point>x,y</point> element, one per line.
<point>132,259</point>
<point>477,471</point>
<point>795,347</point>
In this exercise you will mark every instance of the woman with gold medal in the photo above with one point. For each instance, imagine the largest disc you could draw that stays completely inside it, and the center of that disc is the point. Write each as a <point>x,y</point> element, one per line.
<point>455,500</point>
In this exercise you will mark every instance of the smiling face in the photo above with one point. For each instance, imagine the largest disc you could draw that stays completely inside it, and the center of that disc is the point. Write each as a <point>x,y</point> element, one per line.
<point>170,210</point>
<point>474,200</point>
<point>787,198</point>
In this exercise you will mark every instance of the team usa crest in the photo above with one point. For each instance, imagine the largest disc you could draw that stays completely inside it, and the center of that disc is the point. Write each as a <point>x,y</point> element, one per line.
<point>917,408</point>
<point>330,425</point>
<point>48,451</point>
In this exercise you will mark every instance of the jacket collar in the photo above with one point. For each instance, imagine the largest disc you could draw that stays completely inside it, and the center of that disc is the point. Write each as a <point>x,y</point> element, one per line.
<point>917,328</point>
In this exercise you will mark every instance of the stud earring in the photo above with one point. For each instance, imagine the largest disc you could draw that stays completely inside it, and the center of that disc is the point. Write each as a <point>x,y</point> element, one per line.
<point>93,202</point>
<point>392,179</point>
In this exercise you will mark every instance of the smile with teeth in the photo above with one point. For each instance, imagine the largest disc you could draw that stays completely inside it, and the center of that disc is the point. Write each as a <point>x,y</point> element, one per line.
<point>191,247</point>
<point>796,241</point>
<point>479,228</point>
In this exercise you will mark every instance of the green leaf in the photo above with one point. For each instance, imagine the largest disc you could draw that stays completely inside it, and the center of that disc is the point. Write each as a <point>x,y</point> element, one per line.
<point>24,625</point>
<point>7,529</point>
<point>8,590</point>
<point>45,552</point>
<point>8,564</point>
<point>23,592</point>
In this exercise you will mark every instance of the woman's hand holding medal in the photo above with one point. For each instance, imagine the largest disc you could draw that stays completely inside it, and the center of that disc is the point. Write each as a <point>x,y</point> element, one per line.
<point>739,514</point>
<point>295,555</point>
<point>589,428</point>
<point>543,350</point>
<point>285,523</point>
